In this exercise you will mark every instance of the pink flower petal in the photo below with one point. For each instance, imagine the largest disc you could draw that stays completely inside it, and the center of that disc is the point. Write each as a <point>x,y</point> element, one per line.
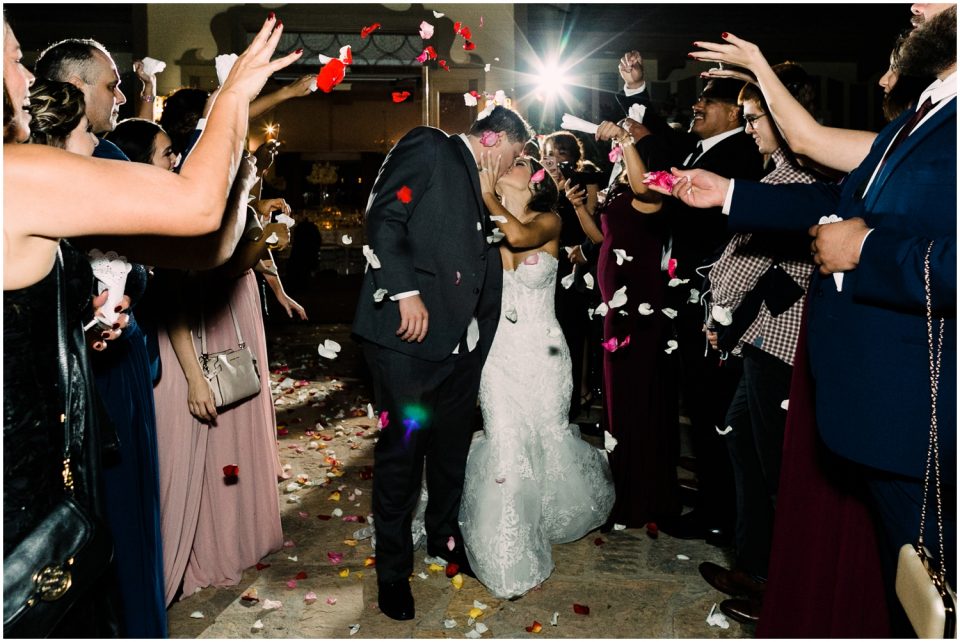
<point>310,597</point>
<point>615,154</point>
<point>451,543</point>
<point>672,268</point>
<point>488,138</point>
<point>664,180</point>
<point>335,558</point>
<point>331,601</point>
<point>292,584</point>
<point>538,176</point>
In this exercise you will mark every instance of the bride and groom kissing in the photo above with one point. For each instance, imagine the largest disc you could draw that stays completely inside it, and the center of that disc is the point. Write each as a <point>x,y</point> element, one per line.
<point>448,313</point>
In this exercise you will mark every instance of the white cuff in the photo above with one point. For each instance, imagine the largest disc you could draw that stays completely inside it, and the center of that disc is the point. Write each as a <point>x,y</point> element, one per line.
<point>404,295</point>
<point>634,92</point>
<point>201,124</point>
<point>863,242</point>
<point>728,199</point>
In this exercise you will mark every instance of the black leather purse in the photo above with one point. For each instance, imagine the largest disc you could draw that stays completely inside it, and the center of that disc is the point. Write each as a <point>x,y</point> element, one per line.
<point>68,552</point>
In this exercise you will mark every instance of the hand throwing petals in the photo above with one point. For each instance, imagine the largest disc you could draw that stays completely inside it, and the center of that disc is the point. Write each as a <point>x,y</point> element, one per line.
<point>663,180</point>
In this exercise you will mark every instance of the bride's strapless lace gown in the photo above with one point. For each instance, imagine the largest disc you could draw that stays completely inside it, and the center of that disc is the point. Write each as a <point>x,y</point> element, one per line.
<point>531,481</point>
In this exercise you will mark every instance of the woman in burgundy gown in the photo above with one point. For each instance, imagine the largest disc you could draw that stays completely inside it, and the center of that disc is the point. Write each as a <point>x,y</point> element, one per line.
<point>641,411</point>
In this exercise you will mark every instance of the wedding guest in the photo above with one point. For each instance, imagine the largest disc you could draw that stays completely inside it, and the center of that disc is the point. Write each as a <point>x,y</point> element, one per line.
<point>564,158</point>
<point>756,303</point>
<point>876,315</point>
<point>638,393</point>
<point>142,201</point>
<point>196,439</point>
<point>124,374</point>
<point>817,485</point>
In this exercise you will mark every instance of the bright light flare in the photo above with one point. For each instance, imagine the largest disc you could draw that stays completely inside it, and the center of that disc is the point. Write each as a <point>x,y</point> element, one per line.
<point>552,78</point>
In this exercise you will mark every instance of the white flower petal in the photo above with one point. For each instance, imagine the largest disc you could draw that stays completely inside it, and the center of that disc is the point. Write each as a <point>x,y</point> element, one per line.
<point>722,315</point>
<point>588,279</point>
<point>621,256</point>
<point>567,281</point>
<point>785,404</point>
<point>645,309</point>
<point>670,312</point>
<point>371,257</point>
<point>609,441</point>
<point>619,298</point>
<point>379,294</point>
<point>602,309</point>
<point>724,431</point>
<point>197,615</point>
<point>346,239</point>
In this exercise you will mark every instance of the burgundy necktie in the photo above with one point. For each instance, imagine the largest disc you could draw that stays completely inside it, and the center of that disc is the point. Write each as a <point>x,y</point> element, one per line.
<point>907,128</point>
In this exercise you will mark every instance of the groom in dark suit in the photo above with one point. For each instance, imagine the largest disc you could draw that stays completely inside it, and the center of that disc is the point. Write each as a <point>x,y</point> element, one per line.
<point>427,314</point>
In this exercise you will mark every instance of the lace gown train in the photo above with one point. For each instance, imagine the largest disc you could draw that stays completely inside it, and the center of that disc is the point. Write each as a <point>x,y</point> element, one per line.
<point>531,481</point>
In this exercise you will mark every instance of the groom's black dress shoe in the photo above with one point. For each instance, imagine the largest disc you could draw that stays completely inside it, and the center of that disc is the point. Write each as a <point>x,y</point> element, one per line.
<point>395,600</point>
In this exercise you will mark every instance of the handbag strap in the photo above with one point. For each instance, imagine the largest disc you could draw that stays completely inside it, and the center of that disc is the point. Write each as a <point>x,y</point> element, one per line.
<point>63,360</point>
<point>203,331</point>
<point>935,348</point>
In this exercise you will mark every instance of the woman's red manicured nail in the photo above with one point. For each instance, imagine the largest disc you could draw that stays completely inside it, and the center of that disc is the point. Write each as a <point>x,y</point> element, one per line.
<point>271,16</point>
<point>119,308</point>
<point>299,51</point>
<point>724,34</point>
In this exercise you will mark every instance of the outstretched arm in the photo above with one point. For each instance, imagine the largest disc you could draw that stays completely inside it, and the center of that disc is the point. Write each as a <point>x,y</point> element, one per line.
<point>841,149</point>
<point>298,88</point>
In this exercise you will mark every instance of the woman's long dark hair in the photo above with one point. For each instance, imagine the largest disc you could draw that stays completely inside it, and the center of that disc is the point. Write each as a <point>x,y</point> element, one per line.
<point>545,192</point>
<point>136,137</point>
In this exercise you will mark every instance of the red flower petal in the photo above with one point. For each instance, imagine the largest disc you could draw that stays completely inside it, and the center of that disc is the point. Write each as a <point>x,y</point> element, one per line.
<point>443,63</point>
<point>431,52</point>
<point>261,566</point>
<point>581,609</point>
<point>282,432</point>
<point>652,530</point>
<point>672,268</point>
<point>302,575</point>
<point>400,96</point>
<point>366,31</point>
<point>231,470</point>
<point>599,541</point>
<point>346,55</point>
<point>452,569</point>
<point>536,627</point>
<point>331,75</point>
<point>469,46</point>
<point>405,194</point>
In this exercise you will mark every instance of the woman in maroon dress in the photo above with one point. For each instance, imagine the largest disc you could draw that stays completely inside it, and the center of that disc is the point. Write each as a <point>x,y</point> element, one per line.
<point>641,408</point>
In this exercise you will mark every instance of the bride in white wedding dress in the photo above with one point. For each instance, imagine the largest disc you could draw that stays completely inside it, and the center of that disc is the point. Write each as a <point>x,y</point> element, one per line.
<point>531,481</point>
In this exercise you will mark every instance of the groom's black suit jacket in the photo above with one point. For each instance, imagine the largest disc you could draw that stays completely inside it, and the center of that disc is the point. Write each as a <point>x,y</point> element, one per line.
<point>436,244</point>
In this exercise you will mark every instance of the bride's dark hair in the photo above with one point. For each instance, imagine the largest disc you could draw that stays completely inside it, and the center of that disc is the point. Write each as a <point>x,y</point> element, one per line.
<point>545,192</point>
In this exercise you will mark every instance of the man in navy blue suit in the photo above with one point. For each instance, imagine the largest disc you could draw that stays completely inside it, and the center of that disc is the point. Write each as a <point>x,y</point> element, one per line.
<point>867,317</point>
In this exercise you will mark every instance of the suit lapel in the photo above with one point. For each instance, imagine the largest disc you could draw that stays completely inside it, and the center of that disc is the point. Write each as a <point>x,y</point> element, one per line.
<point>906,147</point>
<point>471,167</point>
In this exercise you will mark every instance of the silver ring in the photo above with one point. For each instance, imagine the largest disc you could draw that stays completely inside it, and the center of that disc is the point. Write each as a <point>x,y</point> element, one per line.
<point>483,169</point>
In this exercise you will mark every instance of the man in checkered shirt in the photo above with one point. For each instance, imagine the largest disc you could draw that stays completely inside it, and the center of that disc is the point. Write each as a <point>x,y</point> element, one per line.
<point>755,306</point>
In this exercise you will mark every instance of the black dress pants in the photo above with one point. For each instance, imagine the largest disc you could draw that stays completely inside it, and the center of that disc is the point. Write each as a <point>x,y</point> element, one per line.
<point>430,408</point>
<point>755,444</point>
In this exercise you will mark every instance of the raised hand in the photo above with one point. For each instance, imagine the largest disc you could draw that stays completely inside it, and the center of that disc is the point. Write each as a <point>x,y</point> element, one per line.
<point>608,131</point>
<point>267,206</point>
<point>253,66</point>
<point>302,86</point>
<point>631,69</point>
<point>734,51</point>
<point>576,194</point>
<point>489,172</point>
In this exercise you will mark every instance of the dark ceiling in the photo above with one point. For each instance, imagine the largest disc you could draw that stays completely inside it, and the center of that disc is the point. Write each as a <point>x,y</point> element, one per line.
<point>860,33</point>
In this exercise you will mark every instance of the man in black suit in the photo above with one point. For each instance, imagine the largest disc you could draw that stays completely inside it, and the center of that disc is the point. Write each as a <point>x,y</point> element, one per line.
<point>427,314</point>
<point>707,384</point>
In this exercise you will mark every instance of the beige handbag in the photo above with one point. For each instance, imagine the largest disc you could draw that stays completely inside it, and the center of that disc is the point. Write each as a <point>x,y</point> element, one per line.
<point>928,600</point>
<point>232,373</point>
